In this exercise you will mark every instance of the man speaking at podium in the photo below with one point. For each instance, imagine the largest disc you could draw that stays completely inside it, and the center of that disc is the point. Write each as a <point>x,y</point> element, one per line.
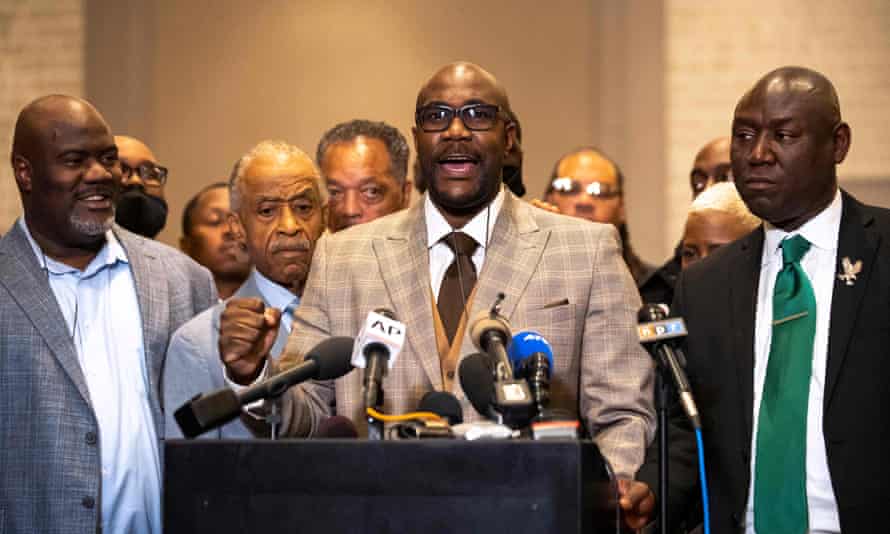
<point>562,277</point>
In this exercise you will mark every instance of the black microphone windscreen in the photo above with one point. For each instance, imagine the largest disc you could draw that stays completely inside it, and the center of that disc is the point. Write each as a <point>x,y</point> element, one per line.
<point>333,357</point>
<point>336,427</point>
<point>443,404</point>
<point>477,381</point>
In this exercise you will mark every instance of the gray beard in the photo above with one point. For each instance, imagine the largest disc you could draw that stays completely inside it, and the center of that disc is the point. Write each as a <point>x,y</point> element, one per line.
<point>88,228</point>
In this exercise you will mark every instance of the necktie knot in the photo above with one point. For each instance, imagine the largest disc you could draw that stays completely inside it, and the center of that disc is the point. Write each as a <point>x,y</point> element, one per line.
<point>461,244</point>
<point>794,248</point>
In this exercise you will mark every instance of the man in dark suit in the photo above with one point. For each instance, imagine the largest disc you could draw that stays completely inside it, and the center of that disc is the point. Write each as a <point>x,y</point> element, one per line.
<point>86,312</point>
<point>787,333</point>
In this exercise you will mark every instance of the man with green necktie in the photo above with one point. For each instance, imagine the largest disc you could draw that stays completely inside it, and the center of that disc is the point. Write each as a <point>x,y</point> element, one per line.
<point>788,333</point>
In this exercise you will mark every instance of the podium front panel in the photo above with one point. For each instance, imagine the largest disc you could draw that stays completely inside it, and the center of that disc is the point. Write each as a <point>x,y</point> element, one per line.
<point>428,486</point>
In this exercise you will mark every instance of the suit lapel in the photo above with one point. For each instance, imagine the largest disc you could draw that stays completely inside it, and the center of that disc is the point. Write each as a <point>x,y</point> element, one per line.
<point>855,242</point>
<point>26,281</point>
<point>151,289</point>
<point>744,277</point>
<point>404,266</point>
<point>511,259</point>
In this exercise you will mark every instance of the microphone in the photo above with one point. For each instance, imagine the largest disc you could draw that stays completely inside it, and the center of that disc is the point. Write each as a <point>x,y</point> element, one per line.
<point>661,336</point>
<point>379,343</point>
<point>326,361</point>
<point>477,381</point>
<point>441,403</point>
<point>532,359</point>
<point>336,427</point>
<point>490,332</point>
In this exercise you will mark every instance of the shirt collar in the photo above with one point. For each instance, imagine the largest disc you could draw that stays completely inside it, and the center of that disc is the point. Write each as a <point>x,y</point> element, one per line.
<point>111,253</point>
<point>821,231</point>
<point>275,295</point>
<point>437,227</point>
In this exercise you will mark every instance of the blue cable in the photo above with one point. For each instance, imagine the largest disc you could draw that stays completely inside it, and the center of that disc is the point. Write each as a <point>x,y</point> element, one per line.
<point>703,479</point>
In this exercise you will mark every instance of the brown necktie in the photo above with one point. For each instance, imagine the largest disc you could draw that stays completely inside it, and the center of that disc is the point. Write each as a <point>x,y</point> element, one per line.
<point>458,282</point>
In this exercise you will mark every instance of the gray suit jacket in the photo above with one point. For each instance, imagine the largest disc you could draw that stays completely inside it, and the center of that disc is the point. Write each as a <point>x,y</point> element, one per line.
<point>193,364</point>
<point>49,454</point>
<point>563,277</point>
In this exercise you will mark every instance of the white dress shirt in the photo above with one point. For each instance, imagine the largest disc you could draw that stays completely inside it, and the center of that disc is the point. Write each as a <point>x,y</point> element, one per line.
<point>819,265</point>
<point>101,309</point>
<point>479,228</point>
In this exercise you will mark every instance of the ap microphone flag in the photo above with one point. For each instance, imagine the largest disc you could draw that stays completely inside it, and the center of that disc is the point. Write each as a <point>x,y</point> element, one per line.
<point>379,328</point>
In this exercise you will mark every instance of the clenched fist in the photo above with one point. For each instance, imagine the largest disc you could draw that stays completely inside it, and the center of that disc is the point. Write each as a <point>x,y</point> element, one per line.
<point>247,330</point>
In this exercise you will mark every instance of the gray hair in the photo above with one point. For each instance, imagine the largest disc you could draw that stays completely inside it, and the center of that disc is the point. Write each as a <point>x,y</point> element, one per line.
<point>395,143</point>
<point>724,197</point>
<point>270,149</point>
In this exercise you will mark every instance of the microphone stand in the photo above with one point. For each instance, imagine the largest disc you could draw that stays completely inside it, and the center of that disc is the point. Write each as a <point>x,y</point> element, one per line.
<point>663,388</point>
<point>375,426</point>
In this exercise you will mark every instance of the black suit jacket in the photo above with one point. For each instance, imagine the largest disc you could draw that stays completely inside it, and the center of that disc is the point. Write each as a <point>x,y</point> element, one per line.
<point>718,300</point>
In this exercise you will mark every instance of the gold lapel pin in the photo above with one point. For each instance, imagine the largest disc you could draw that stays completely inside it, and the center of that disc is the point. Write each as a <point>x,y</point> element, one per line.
<point>850,270</point>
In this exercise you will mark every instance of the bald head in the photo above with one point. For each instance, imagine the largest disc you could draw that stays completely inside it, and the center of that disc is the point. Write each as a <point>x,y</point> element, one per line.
<point>41,122</point>
<point>801,84</point>
<point>66,168</point>
<point>462,73</point>
<point>788,137</point>
<point>711,165</point>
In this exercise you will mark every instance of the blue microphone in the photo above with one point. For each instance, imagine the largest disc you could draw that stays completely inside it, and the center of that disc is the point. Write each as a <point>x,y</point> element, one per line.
<point>532,359</point>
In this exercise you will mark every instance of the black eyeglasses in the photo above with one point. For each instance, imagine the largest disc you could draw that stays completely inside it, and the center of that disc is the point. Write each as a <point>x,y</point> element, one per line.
<point>438,117</point>
<point>148,172</point>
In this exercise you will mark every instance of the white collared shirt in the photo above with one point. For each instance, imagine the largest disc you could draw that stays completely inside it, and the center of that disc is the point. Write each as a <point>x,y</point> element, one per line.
<point>819,265</point>
<point>101,310</point>
<point>479,228</point>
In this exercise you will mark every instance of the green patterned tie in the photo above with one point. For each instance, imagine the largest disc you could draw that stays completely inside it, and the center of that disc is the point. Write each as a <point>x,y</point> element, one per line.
<point>780,490</point>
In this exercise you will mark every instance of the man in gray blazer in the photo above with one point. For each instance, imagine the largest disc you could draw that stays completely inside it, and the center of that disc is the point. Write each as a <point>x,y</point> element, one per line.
<point>275,177</point>
<point>86,313</point>
<point>563,277</point>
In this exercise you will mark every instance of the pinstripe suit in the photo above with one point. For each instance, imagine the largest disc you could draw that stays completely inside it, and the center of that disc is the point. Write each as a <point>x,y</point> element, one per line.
<point>49,458</point>
<point>562,277</point>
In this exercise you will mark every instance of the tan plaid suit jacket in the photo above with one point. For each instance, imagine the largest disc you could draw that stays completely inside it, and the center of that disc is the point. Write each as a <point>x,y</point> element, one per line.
<point>562,277</point>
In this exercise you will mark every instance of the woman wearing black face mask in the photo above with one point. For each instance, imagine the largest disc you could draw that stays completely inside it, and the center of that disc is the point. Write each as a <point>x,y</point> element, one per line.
<point>140,207</point>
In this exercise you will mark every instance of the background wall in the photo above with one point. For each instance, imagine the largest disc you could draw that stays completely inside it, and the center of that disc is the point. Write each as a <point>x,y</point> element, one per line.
<point>202,82</point>
<point>649,81</point>
<point>41,52</point>
<point>716,51</point>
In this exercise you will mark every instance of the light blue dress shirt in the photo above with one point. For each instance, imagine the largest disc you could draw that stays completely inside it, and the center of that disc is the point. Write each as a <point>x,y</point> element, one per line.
<point>278,296</point>
<point>101,309</point>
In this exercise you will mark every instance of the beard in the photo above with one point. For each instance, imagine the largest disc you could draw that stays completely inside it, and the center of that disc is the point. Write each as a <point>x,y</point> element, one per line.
<point>90,228</point>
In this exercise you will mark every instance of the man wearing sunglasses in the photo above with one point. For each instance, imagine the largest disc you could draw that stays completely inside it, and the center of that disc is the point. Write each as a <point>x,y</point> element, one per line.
<point>441,262</point>
<point>141,207</point>
<point>587,184</point>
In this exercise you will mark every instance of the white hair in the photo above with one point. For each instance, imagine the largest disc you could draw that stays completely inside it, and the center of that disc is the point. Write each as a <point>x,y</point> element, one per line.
<point>724,197</point>
<point>280,151</point>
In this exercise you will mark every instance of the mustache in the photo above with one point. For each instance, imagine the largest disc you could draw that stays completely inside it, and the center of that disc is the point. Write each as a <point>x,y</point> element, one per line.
<point>291,245</point>
<point>456,149</point>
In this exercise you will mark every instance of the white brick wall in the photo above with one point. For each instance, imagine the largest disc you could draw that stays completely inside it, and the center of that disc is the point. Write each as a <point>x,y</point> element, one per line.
<point>41,52</point>
<point>717,49</point>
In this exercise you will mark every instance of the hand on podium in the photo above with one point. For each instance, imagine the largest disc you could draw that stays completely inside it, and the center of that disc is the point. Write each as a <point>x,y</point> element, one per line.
<point>247,331</point>
<point>637,503</point>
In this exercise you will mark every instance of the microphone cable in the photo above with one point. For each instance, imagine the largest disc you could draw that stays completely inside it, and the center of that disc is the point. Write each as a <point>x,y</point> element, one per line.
<point>703,480</point>
<point>404,417</point>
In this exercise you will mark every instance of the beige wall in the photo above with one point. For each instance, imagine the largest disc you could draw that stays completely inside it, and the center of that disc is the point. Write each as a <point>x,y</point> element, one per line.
<point>41,52</point>
<point>718,49</point>
<point>648,81</point>
<point>204,81</point>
